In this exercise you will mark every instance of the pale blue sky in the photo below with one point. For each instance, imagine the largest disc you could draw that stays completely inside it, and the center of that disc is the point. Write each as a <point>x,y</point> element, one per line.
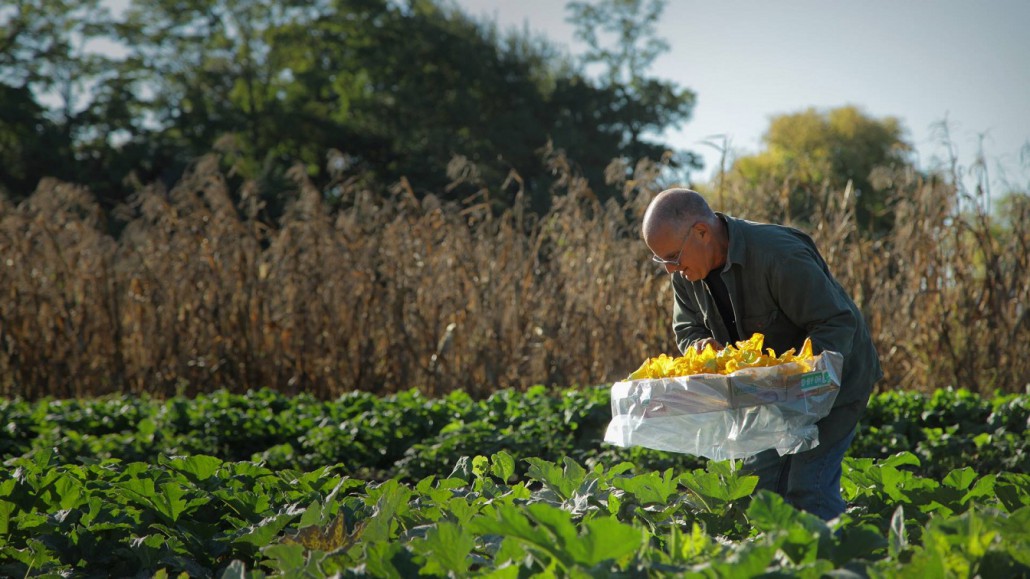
<point>918,60</point>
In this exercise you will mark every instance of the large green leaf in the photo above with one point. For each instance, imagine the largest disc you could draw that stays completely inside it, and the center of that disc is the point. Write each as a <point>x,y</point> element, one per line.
<point>196,467</point>
<point>508,521</point>
<point>606,538</point>
<point>562,481</point>
<point>285,558</point>
<point>984,487</point>
<point>446,549</point>
<point>805,537</point>
<point>960,479</point>
<point>69,492</point>
<point>169,501</point>
<point>389,559</point>
<point>650,488</point>
<point>749,559</point>
<point>502,465</point>
<point>719,487</point>
<point>857,543</point>
<point>1013,490</point>
<point>390,499</point>
<point>262,533</point>
<point>904,458</point>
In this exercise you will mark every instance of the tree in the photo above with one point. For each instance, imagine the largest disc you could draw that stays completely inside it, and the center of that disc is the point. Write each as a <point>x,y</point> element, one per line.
<point>29,143</point>
<point>44,53</point>
<point>811,151</point>
<point>398,89</point>
<point>641,105</point>
<point>205,68</point>
<point>43,46</point>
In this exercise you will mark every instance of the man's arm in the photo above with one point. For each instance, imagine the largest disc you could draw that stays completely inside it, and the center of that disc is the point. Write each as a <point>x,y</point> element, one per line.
<point>812,300</point>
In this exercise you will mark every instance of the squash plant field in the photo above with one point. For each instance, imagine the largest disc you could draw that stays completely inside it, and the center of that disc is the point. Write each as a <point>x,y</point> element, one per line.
<point>515,485</point>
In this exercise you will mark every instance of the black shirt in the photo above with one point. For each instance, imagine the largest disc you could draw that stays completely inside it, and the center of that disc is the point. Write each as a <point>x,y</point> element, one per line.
<point>722,301</point>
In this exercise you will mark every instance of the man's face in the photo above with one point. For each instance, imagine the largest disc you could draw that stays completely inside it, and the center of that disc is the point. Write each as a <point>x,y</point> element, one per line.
<point>683,250</point>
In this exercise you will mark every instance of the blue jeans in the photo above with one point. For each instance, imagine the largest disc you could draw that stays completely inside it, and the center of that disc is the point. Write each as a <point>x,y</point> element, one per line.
<point>808,480</point>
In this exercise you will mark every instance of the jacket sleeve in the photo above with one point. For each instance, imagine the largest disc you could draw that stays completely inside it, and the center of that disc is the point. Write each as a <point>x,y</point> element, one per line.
<point>687,321</point>
<point>811,299</point>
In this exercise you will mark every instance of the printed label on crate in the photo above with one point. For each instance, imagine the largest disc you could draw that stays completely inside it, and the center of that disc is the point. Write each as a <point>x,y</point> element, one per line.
<point>815,380</point>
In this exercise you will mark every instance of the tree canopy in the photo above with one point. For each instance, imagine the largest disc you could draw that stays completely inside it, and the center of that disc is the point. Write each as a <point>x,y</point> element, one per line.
<point>643,106</point>
<point>381,89</point>
<point>813,150</point>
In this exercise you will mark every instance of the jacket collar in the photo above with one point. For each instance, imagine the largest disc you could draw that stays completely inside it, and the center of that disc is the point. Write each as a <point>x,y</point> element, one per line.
<point>737,250</point>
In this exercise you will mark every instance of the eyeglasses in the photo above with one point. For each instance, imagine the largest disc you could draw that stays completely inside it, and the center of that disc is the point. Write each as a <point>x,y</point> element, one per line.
<point>675,264</point>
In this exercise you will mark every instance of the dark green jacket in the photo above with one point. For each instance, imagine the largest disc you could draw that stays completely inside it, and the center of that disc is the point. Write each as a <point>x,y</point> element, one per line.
<point>780,286</point>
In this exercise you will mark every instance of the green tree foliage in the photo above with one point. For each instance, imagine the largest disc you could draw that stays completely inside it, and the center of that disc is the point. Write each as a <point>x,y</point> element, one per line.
<point>813,151</point>
<point>28,141</point>
<point>364,89</point>
<point>621,37</point>
<point>43,46</point>
<point>44,50</point>
<point>220,73</point>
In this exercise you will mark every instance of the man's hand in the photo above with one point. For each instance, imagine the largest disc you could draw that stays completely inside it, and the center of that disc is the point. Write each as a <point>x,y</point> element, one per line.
<point>700,344</point>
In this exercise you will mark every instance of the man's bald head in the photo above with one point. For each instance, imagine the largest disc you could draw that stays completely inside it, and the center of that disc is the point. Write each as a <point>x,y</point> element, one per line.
<point>674,207</point>
<point>684,234</point>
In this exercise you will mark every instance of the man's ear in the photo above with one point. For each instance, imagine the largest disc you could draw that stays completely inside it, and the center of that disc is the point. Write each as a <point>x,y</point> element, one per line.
<point>702,229</point>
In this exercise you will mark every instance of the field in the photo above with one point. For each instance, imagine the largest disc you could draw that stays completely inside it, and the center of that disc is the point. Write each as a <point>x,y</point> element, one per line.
<point>338,289</point>
<point>512,485</point>
<point>435,409</point>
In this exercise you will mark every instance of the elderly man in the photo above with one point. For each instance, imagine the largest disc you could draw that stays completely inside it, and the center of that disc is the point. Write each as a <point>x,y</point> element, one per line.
<point>732,278</point>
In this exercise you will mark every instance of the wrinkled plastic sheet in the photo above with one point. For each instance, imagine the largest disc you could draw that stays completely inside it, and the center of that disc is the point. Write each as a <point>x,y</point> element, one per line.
<point>726,417</point>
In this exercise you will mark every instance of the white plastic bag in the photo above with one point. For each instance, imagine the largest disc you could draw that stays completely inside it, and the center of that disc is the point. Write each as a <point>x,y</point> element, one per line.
<point>725,417</point>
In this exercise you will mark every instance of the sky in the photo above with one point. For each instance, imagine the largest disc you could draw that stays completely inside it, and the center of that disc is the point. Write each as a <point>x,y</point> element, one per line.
<point>965,63</point>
